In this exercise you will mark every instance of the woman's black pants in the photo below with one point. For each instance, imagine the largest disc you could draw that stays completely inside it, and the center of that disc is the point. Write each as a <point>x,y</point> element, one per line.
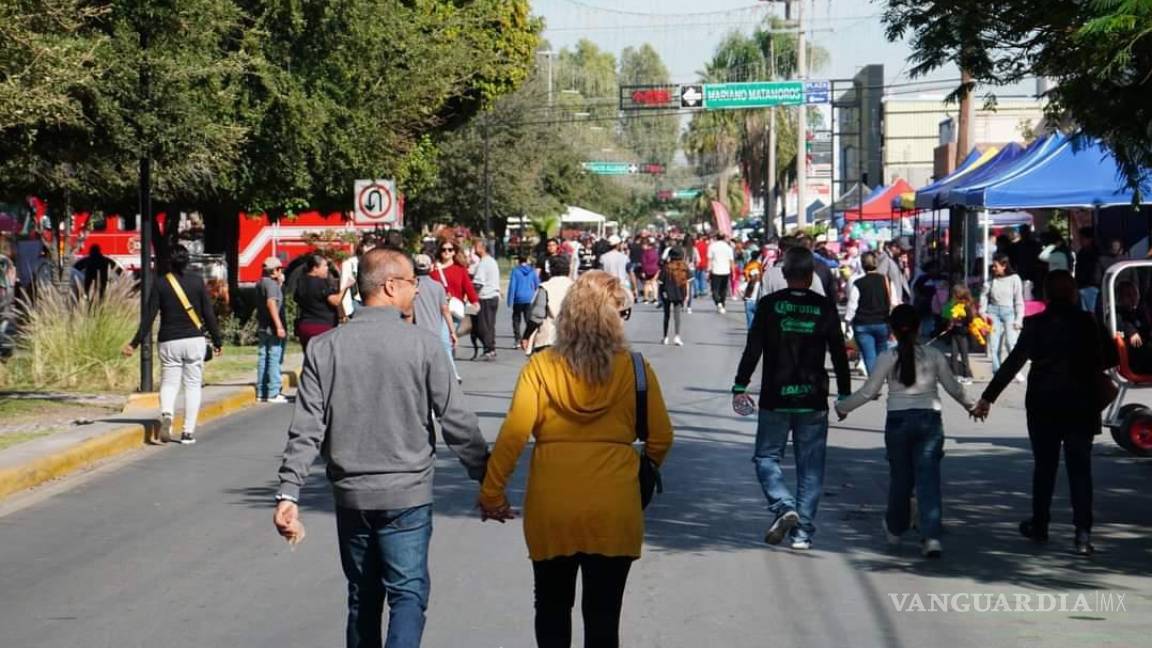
<point>1048,431</point>
<point>604,579</point>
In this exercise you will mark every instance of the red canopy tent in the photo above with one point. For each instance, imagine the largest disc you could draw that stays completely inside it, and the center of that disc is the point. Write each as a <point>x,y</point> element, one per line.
<point>879,206</point>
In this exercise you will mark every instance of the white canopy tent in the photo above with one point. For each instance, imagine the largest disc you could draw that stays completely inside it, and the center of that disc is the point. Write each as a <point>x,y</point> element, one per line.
<point>579,215</point>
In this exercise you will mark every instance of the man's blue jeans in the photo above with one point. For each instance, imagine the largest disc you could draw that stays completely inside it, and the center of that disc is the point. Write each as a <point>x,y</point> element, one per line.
<point>809,443</point>
<point>872,340</point>
<point>1088,298</point>
<point>701,283</point>
<point>915,443</point>
<point>385,555</point>
<point>268,359</point>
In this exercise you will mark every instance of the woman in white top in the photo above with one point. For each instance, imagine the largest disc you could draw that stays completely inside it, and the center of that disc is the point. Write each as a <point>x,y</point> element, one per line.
<point>914,432</point>
<point>1003,303</point>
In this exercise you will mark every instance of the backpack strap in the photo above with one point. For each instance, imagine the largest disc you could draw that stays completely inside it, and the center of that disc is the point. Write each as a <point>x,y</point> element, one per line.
<point>641,396</point>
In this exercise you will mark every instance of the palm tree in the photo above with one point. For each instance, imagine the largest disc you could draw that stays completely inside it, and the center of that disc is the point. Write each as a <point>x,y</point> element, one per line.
<point>545,226</point>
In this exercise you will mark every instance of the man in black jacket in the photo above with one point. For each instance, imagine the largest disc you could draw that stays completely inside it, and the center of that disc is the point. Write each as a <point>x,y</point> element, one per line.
<point>793,330</point>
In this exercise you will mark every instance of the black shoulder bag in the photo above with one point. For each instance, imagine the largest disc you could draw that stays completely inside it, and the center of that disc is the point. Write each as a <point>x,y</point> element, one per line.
<point>650,481</point>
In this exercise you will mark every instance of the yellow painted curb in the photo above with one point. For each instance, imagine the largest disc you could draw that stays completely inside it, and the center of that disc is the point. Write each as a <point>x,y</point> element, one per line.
<point>130,436</point>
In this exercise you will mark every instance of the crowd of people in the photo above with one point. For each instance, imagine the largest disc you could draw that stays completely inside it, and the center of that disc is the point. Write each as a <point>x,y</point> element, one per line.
<point>585,399</point>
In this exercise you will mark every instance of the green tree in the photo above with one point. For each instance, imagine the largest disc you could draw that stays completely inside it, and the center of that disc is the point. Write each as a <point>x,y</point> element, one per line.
<point>165,80</point>
<point>1098,52</point>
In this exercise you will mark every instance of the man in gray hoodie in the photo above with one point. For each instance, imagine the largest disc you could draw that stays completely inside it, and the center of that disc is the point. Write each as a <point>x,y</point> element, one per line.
<point>369,394</point>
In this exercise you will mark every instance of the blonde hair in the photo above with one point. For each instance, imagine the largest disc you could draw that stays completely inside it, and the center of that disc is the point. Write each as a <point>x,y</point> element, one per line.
<point>589,329</point>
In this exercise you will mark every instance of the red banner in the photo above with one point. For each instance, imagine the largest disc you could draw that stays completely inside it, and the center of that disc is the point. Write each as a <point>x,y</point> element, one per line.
<point>723,218</point>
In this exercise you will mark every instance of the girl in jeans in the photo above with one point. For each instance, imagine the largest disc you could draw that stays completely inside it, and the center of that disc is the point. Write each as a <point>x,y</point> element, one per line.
<point>914,432</point>
<point>1003,303</point>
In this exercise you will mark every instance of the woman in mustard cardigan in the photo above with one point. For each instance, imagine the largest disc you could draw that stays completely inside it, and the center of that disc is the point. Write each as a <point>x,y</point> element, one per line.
<point>582,510</point>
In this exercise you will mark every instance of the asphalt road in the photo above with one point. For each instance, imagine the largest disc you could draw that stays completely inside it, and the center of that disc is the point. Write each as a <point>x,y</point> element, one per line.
<point>175,547</point>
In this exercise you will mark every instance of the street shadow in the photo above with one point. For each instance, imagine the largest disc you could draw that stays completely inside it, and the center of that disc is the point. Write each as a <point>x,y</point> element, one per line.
<point>713,502</point>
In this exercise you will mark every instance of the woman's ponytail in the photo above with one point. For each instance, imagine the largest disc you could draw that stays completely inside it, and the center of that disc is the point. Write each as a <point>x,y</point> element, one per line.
<point>905,324</point>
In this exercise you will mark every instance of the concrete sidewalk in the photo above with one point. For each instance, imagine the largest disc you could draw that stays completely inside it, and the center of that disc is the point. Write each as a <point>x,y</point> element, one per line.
<point>35,462</point>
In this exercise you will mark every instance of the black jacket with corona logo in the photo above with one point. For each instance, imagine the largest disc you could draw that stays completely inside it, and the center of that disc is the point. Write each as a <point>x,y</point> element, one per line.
<point>794,330</point>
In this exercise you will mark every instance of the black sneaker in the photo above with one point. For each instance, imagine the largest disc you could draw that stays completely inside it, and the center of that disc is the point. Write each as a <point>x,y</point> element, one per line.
<point>187,439</point>
<point>1033,532</point>
<point>782,527</point>
<point>1084,543</point>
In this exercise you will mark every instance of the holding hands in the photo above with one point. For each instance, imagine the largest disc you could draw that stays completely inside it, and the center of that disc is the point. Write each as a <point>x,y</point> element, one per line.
<point>981,409</point>
<point>501,513</point>
<point>743,404</point>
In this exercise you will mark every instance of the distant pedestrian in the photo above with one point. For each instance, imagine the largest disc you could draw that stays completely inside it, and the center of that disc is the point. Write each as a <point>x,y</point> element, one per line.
<point>430,310</point>
<point>582,512</point>
<point>721,261</point>
<point>487,282</point>
<point>271,333</point>
<point>675,286</point>
<point>317,300</point>
<point>541,330</point>
<point>371,393</point>
<point>451,270</point>
<point>914,432</point>
<point>521,290</point>
<point>700,263</point>
<point>870,300</point>
<point>1069,352</point>
<point>544,254</point>
<point>959,313</point>
<point>615,262</point>
<point>794,331</point>
<point>1089,270</point>
<point>96,268</point>
<point>349,269</point>
<point>186,316</point>
<point>650,270</point>
<point>1003,303</point>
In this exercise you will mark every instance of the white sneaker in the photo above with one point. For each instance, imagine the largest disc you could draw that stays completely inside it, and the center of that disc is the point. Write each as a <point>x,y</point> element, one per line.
<point>801,544</point>
<point>931,548</point>
<point>165,432</point>
<point>277,399</point>
<point>722,310</point>
<point>688,310</point>
<point>677,341</point>
<point>965,381</point>
<point>1020,378</point>
<point>665,342</point>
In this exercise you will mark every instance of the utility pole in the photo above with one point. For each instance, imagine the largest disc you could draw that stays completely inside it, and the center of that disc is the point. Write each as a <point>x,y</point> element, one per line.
<point>801,122</point>
<point>146,276</point>
<point>487,180</point>
<point>770,198</point>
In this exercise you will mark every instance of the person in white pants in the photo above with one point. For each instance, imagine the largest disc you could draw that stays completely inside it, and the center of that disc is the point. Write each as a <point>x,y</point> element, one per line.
<point>186,317</point>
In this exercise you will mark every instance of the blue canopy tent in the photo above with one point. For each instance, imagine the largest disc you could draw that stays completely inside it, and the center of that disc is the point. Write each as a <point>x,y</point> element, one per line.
<point>1079,173</point>
<point>951,193</point>
<point>971,192</point>
<point>973,156</point>
<point>928,197</point>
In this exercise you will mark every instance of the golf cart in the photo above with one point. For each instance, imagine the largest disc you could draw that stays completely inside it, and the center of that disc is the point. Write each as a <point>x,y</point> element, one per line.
<point>1130,424</point>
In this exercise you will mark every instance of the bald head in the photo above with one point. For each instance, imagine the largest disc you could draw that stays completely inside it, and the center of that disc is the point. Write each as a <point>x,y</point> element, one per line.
<point>376,268</point>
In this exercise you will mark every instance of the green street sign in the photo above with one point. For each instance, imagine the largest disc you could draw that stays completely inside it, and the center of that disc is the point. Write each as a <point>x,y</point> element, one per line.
<point>757,94</point>
<point>610,168</point>
<point>684,194</point>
